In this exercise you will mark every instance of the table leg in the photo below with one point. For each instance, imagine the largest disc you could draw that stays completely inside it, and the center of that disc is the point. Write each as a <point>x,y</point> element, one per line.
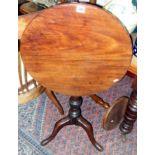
<point>131,113</point>
<point>74,118</point>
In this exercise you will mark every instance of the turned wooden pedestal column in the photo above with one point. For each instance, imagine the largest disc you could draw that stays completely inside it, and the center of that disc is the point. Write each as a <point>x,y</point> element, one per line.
<point>74,117</point>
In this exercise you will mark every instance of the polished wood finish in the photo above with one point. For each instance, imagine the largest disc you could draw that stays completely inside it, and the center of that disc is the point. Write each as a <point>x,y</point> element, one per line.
<point>132,70</point>
<point>20,73</point>
<point>78,50</point>
<point>22,76</point>
<point>115,113</point>
<point>73,54</point>
<point>25,94</point>
<point>24,86</point>
<point>92,1</point>
<point>74,118</point>
<point>100,101</point>
<point>23,22</point>
<point>131,113</point>
<point>30,95</point>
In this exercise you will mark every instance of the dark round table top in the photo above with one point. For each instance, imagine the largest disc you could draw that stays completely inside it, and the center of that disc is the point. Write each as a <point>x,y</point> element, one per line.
<point>76,49</point>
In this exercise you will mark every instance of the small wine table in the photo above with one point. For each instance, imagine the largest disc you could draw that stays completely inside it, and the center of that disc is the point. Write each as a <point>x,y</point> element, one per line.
<point>76,49</point>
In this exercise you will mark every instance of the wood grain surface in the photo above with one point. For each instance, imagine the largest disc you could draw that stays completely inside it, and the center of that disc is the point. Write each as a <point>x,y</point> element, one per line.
<point>76,49</point>
<point>23,22</point>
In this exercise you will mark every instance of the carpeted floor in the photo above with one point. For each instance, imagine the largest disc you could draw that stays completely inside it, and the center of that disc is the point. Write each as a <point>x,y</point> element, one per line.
<point>37,119</point>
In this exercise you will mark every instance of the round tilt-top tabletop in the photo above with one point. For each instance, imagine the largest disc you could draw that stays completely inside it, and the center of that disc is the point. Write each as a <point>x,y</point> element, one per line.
<point>76,49</point>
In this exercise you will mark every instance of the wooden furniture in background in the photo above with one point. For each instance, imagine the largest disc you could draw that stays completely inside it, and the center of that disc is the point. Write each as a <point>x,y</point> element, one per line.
<point>23,22</point>
<point>29,7</point>
<point>131,112</point>
<point>133,67</point>
<point>76,56</point>
<point>114,112</point>
<point>30,89</point>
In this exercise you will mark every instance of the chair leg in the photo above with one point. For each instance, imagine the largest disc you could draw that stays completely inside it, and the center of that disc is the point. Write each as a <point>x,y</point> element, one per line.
<point>55,101</point>
<point>99,101</point>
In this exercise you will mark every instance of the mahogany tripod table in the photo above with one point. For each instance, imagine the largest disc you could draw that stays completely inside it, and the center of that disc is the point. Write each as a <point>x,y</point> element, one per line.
<point>76,49</point>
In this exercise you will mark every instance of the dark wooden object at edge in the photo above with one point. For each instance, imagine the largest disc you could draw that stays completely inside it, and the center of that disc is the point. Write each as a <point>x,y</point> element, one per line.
<point>131,113</point>
<point>74,118</point>
<point>114,112</point>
